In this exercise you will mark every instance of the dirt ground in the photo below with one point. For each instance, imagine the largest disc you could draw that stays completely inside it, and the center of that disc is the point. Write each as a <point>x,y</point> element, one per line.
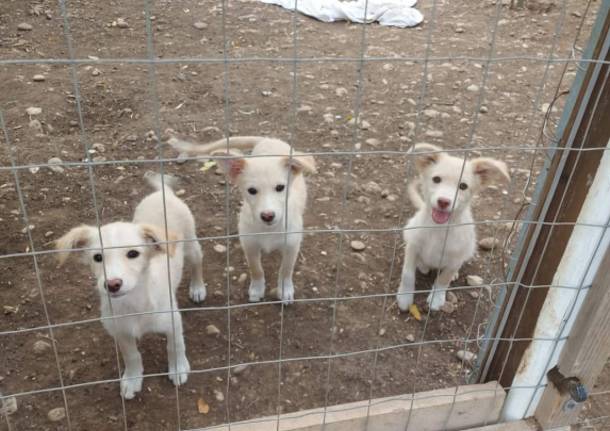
<point>123,104</point>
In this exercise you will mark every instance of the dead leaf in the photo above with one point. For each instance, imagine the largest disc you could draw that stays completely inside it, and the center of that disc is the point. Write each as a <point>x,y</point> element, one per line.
<point>207,165</point>
<point>415,312</point>
<point>202,406</point>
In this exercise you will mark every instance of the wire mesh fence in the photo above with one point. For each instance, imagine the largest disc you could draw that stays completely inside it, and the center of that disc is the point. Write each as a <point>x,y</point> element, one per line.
<point>105,83</point>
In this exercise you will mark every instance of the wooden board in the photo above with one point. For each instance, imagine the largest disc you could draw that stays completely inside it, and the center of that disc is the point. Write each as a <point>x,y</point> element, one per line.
<point>443,409</point>
<point>585,352</point>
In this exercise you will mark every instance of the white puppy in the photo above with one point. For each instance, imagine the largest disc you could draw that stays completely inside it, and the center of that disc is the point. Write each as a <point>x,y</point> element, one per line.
<point>264,183</point>
<point>131,267</point>
<point>447,192</point>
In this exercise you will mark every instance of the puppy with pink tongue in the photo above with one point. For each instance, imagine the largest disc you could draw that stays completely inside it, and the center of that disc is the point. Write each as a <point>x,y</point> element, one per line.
<point>441,235</point>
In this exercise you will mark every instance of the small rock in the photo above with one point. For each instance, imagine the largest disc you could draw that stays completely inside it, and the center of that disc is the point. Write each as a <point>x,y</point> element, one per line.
<point>36,125</point>
<point>24,26</point>
<point>48,234</point>
<point>410,338</point>
<point>182,158</point>
<point>489,243</point>
<point>431,113</point>
<point>466,356</point>
<point>340,92</point>
<point>95,72</point>
<point>212,330</point>
<point>459,30</point>
<point>219,395</point>
<point>200,25</point>
<point>373,142</point>
<point>239,369</point>
<point>180,192</point>
<point>448,307</point>
<point>545,108</point>
<point>357,245</point>
<point>56,414</point>
<point>266,93</point>
<point>9,406</point>
<point>474,280</point>
<point>483,110</point>
<point>121,23</point>
<point>41,346</point>
<point>434,133</point>
<point>38,78</point>
<point>473,87</point>
<point>451,297</point>
<point>33,110</point>
<point>382,332</point>
<point>242,278</point>
<point>55,163</point>
<point>219,248</point>
<point>474,294</point>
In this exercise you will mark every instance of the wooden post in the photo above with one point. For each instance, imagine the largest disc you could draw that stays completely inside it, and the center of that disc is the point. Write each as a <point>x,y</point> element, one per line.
<point>584,354</point>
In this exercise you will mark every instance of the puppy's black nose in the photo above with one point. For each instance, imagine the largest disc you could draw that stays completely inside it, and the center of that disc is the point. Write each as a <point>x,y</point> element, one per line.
<point>267,216</point>
<point>443,203</point>
<point>114,285</point>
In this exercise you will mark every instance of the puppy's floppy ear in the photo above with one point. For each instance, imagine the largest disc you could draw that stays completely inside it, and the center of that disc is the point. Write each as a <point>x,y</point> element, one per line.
<point>300,162</point>
<point>489,170</point>
<point>156,235</point>
<point>233,166</point>
<point>431,155</point>
<point>78,237</point>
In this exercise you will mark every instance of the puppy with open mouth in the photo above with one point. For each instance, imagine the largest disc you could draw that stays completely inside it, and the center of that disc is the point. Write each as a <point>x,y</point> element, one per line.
<point>274,193</point>
<point>138,269</point>
<point>441,235</point>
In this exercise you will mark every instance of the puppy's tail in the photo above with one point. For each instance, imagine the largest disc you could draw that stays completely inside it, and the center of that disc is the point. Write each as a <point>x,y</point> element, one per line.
<point>414,195</point>
<point>156,182</point>
<point>235,142</point>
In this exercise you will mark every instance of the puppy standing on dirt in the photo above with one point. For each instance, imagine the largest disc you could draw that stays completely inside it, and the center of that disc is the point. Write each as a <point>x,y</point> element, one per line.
<point>447,192</point>
<point>131,268</point>
<point>264,183</point>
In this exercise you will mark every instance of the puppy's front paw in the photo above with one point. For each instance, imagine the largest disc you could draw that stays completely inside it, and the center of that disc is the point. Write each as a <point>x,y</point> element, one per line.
<point>286,295</point>
<point>197,292</point>
<point>130,385</point>
<point>436,299</point>
<point>178,374</point>
<point>256,291</point>
<point>404,300</point>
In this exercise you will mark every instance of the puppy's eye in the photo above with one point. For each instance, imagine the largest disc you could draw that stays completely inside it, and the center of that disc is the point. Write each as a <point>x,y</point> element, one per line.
<point>436,179</point>
<point>279,188</point>
<point>252,191</point>
<point>97,257</point>
<point>463,186</point>
<point>132,254</point>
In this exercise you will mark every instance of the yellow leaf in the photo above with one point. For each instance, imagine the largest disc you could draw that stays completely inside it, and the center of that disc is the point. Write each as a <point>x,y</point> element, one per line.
<point>415,312</point>
<point>207,165</point>
<point>202,406</point>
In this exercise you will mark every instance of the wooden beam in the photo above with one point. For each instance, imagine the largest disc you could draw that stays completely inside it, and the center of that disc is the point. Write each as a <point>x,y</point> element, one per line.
<point>585,352</point>
<point>471,405</point>
<point>589,131</point>
<point>524,425</point>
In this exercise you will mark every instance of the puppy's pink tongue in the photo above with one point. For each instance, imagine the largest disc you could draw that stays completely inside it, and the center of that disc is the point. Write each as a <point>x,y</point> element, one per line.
<point>440,217</point>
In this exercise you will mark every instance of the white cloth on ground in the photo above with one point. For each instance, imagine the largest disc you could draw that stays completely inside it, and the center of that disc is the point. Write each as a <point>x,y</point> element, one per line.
<point>396,13</point>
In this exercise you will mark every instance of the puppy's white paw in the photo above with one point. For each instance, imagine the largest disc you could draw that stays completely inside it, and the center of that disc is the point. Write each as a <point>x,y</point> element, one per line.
<point>423,269</point>
<point>404,300</point>
<point>436,299</point>
<point>256,291</point>
<point>287,295</point>
<point>178,374</point>
<point>130,385</point>
<point>197,292</point>
<point>455,276</point>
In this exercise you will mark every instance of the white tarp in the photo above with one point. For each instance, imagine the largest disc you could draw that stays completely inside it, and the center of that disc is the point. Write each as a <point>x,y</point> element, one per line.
<point>397,13</point>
